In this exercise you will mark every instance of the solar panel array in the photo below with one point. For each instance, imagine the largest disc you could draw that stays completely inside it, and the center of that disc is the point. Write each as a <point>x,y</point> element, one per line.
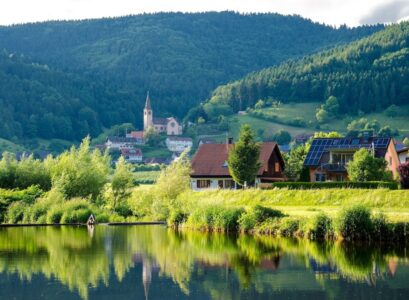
<point>320,146</point>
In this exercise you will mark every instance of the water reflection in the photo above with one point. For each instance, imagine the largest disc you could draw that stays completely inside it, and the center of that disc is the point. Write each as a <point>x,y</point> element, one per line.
<point>190,264</point>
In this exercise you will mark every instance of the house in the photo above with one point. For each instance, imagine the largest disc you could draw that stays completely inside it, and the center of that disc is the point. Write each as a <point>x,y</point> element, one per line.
<point>210,170</point>
<point>328,157</point>
<point>206,141</point>
<point>117,142</point>
<point>156,161</point>
<point>132,155</point>
<point>403,155</point>
<point>169,126</point>
<point>135,134</point>
<point>179,144</point>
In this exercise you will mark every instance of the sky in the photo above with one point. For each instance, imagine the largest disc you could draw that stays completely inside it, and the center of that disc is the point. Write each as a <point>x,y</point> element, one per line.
<point>333,12</point>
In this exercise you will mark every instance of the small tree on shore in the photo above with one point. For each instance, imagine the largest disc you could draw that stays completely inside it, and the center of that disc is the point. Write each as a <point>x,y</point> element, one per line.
<point>365,167</point>
<point>404,175</point>
<point>122,181</point>
<point>243,158</point>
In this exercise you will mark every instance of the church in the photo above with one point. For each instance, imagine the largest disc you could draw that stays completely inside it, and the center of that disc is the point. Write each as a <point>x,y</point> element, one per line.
<point>169,126</point>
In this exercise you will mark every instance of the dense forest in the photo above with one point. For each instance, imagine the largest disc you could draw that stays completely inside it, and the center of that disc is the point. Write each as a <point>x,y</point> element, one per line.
<point>367,75</point>
<point>65,79</point>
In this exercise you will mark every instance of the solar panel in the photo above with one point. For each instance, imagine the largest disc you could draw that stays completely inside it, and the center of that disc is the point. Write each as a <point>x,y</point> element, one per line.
<point>319,146</point>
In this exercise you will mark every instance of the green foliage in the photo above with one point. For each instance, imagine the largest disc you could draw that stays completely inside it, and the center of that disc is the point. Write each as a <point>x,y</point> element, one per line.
<point>24,173</point>
<point>365,167</point>
<point>121,182</point>
<point>320,227</point>
<point>355,223</point>
<point>256,215</point>
<point>243,158</point>
<point>282,137</point>
<point>336,185</point>
<point>152,138</point>
<point>404,175</point>
<point>367,75</point>
<point>15,212</point>
<point>289,226</point>
<point>406,141</point>
<point>80,172</point>
<point>104,82</point>
<point>214,218</point>
<point>294,162</point>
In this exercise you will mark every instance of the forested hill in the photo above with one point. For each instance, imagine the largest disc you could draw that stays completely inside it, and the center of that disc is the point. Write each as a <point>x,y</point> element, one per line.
<point>366,75</point>
<point>36,101</point>
<point>179,57</point>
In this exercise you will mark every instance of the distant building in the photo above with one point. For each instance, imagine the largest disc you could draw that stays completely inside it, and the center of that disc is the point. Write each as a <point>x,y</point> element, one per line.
<point>179,144</point>
<point>135,135</point>
<point>303,138</point>
<point>132,155</point>
<point>327,158</point>
<point>169,126</point>
<point>156,161</point>
<point>210,170</point>
<point>206,141</point>
<point>116,142</point>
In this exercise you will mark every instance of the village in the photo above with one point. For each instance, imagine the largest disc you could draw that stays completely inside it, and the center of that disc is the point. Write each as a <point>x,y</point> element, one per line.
<point>326,159</point>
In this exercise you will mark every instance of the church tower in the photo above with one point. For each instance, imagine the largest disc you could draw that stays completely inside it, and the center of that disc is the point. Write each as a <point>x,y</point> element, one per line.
<point>147,114</point>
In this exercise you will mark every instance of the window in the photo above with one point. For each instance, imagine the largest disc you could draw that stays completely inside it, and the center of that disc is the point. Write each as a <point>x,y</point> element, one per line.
<point>220,183</point>
<point>277,167</point>
<point>229,184</point>
<point>390,160</point>
<point>341,158</point>
<point>172,124</point>
<point>320,177</point>
<point>203,184</point>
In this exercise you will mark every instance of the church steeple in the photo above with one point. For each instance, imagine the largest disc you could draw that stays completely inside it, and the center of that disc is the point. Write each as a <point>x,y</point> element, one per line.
<point>147,114</point>
<point>148,102</point>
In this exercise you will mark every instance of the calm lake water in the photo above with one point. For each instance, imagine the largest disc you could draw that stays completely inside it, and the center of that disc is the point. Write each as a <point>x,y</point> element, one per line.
<point>153,262</point>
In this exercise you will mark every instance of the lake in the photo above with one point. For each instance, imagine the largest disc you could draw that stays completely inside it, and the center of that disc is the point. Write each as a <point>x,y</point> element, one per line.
<point>153,262</point>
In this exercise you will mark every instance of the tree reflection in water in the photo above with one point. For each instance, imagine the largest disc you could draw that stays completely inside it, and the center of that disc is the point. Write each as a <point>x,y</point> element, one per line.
<point>81,258</point>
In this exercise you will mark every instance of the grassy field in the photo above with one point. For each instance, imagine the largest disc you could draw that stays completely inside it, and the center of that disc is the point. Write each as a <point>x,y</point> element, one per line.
<point>307,203</point>
<point>146,176</point>
<point>285,113</point>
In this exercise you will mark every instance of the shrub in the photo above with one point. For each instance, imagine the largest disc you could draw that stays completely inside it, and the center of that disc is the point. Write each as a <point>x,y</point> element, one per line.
<point>177,218</point>
<point>256,215</point>
<point>336,185</point>
<point>404,175</point>
<point>15,212</point>
<point>400,231</point>
<point>381,229</point>
<point>76,216</point>
<point>320,227</point>
<point>226,219</point>
<point>54,215</point>
<point>355,223</point>
<point>102,218</point>
<point>289,226</point>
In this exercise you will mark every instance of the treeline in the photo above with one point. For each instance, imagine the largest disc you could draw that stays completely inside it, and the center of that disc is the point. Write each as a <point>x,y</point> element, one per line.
<point>95,73</point>
<point>367,75</point>
<point>40,102</point>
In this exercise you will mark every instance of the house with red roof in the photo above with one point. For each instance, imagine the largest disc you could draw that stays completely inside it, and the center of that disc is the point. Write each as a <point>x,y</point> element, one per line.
<point>210,169</point>
<point>132,155</point>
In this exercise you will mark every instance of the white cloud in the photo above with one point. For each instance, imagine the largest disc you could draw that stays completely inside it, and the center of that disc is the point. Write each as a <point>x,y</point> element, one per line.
<point>336,12</point>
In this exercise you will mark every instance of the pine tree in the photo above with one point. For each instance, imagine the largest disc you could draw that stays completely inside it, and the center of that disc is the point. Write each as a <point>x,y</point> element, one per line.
<point>243,157</point>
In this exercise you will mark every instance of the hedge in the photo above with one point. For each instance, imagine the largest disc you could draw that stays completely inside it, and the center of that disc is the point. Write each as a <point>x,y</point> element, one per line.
<point>336,185</point>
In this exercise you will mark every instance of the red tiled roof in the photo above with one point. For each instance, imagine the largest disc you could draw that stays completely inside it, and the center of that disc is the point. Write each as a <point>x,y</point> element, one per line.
<point>131,152</point>
<point>210,159</point>
<point>136,134</point>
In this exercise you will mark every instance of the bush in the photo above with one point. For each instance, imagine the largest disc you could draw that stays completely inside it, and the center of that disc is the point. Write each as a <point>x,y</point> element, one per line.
<point>102,218</point>
<point>177,218</point>
<point>214,218</point>
<point>381,229</point>
<point>289,226</point>
<point>79,216</point>
<point>336,185</point>
<point>257,215</point>
<point>320,227</point>
<point>355,223</point>
<point>54,215</point>
<point>15,212</point>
